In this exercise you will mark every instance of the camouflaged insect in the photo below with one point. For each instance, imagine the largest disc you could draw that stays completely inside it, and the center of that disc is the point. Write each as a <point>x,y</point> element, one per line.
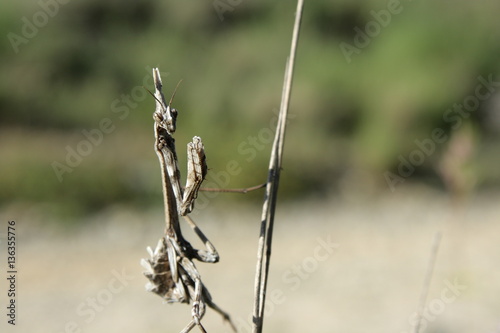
<point>170,269</point>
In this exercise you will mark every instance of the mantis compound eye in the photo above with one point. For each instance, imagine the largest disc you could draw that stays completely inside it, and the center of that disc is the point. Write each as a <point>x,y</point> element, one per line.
<point>171,120</point>
<point>173,113</point>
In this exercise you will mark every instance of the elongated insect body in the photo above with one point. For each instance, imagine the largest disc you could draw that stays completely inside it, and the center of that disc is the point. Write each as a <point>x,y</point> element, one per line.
<point>170,269</point>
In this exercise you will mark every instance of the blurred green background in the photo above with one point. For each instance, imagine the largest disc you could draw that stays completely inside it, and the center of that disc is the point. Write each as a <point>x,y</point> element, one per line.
<point>70,69</point>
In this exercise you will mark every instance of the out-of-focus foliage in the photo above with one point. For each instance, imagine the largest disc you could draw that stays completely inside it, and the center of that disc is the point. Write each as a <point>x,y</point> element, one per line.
<point>352,120</point>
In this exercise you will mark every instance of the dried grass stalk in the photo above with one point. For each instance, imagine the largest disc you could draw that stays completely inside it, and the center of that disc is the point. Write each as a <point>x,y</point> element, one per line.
<point>270,198</point>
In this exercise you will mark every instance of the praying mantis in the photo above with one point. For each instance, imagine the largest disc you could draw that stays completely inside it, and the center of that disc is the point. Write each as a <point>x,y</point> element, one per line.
<point>170,269</point>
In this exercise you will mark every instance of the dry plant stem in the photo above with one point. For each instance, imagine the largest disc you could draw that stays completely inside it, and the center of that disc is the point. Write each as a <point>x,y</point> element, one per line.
<point>427,280</point>
<point>269,206</point>
<point>232,190</point>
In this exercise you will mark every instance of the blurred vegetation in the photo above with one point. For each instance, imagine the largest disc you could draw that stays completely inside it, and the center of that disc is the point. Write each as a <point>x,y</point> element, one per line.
<point>349,121</point>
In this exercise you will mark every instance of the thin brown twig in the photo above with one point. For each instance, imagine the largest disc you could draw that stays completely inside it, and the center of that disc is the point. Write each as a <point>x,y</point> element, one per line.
<point>233,190</point>
<point>269,206</point>
<point>427,280</point>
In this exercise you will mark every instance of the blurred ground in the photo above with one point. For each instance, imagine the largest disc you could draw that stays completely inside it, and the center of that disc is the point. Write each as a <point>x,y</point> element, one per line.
<point>368,280</point>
